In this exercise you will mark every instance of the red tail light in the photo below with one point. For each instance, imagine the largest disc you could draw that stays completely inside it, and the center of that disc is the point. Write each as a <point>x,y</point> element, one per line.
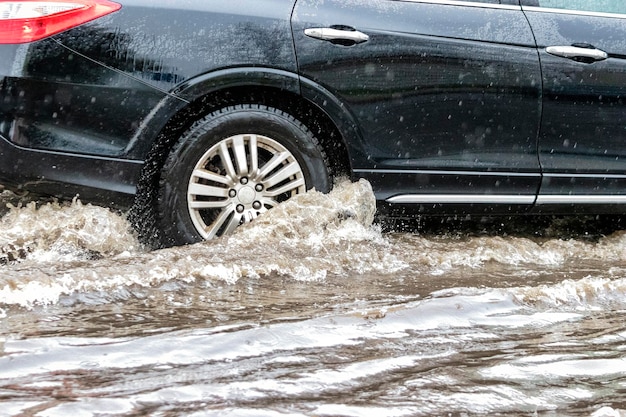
<point>31,20</point>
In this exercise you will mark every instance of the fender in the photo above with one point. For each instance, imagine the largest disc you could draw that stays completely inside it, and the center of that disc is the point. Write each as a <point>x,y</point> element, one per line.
<point>196,88</point>
<point>214,82</point>
<point>341,117</point>
<point>203,85</point>
<point>309,90</point>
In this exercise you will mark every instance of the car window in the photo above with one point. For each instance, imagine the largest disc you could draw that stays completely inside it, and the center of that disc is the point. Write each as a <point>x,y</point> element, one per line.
<point>602,6</point>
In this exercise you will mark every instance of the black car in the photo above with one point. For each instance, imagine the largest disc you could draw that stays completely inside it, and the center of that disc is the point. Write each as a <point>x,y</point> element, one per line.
<point>201,114</point>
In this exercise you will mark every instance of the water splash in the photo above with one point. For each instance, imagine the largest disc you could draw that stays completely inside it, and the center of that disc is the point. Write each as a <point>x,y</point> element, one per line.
<point>56,232</point>
<point>589,293</point>
<point>444,253</point>
<point>306,238</point>
<point>75,248</point>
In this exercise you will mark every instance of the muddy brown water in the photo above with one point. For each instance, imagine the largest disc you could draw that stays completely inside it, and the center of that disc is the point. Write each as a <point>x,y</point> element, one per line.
<point>312,310</point>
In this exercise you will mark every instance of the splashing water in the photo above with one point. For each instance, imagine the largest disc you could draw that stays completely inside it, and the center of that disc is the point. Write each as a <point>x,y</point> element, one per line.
<point>68,248</point>
<point>56,232</point>
<point>306,238</point>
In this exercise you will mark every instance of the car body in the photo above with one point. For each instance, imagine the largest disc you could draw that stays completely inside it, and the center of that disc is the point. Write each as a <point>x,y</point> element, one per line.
<point>444,106</point>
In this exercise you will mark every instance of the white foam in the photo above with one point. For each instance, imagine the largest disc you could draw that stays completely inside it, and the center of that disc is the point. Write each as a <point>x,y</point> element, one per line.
<point>308,238</point>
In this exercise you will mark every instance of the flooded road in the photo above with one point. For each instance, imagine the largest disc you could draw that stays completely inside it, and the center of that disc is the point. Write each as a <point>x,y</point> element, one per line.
<point>309,311</point>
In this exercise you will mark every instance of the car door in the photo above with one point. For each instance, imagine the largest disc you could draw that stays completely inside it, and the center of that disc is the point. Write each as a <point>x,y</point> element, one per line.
<point>582,144</point>
<point>446,95</point>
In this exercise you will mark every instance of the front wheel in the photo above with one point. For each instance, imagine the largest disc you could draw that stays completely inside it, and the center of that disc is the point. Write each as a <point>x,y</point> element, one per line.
<point>233,165</point>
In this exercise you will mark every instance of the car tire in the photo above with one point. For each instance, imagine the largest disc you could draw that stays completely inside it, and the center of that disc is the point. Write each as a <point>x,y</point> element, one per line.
<point>233,165</point>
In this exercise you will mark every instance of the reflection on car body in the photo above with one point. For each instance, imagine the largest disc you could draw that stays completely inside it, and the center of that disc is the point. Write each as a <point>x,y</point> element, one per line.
<point>202,115</point>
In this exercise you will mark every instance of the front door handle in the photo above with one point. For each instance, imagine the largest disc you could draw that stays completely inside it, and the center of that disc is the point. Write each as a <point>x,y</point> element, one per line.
<point>577,53</point>
<point>338,35</point>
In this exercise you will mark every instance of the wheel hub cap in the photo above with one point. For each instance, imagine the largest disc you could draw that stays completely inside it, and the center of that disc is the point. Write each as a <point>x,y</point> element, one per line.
<point>246,195</point>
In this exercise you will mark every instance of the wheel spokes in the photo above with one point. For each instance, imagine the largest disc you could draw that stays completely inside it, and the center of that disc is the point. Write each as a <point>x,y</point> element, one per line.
<point>290,186</point>
<point>210,176</point>
<point>203,205</point>
<point>226,160</point>
<point>225,223</point>
<point>203,190</point>
<point>268,203</point>
<point>284,174</point>
<point>240,155</point>
<point>239,178</point>
<point>274,163</point>
<point>254,155</point>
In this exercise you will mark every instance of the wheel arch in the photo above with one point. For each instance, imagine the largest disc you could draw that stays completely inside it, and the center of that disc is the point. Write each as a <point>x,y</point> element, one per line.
<point>264,86</point>
<point>315,107</point>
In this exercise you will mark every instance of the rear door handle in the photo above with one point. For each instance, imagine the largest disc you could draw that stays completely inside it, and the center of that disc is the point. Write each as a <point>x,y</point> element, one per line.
<point>578,53</point>
<point>343,35</point>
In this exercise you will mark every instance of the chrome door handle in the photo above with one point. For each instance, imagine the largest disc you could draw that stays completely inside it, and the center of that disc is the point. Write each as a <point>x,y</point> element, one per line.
<point>578,53</point>
<point>344,36</point>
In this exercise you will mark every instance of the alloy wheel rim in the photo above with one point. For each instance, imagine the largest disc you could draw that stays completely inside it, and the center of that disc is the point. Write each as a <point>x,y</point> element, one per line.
<point>239,178</point>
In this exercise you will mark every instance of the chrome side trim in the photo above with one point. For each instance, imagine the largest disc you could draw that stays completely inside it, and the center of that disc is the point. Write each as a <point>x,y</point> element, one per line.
<point>598,176</point>
<point>581,199</point>
<point>487,173</point>
<point>441,172</point>
<point>462,199</point>
<point>573,12</point>
<point>466,4</point>
<point>505,199</point>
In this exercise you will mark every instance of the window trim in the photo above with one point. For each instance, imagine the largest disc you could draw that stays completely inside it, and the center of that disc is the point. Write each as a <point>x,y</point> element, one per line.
<point>572,12</point>
<point>467,4</point>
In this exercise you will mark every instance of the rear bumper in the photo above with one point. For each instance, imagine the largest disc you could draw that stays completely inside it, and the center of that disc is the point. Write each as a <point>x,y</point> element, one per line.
<point>94,179</point>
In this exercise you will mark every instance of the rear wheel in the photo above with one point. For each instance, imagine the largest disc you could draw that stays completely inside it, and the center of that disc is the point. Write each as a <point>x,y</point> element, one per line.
<point>233,165</point>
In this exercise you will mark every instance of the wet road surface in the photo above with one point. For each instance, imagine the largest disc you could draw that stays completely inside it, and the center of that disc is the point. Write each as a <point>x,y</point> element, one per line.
<point>311,310</point>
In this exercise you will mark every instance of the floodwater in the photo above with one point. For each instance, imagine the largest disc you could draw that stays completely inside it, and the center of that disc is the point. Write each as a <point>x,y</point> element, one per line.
<point>311,310</point>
